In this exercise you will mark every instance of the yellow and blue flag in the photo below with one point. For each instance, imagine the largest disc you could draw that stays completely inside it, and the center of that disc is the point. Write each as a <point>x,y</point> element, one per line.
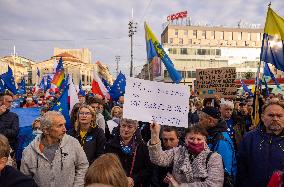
<point>155,49</point>
<point>272,50</point>
<point>267,75</point>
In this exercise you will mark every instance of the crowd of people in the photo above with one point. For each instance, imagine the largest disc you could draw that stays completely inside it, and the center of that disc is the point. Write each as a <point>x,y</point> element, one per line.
<point>222,146</point>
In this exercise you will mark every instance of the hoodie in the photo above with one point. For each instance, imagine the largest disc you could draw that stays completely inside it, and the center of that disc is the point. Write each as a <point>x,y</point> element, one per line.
<point>67,169</point>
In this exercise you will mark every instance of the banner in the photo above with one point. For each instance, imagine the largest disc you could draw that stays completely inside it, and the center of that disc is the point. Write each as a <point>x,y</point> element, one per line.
<point>216,81</point>
<point>164,103</point>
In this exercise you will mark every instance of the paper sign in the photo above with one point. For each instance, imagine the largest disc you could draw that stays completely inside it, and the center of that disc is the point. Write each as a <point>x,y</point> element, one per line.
<point>216,81</point>
<point>148,101</point>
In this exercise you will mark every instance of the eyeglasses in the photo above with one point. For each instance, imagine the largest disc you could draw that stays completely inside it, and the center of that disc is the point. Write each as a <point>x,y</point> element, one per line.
<point>85,113</point>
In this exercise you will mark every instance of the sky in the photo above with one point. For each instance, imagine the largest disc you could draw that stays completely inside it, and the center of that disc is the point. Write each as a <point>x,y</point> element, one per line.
<point>35,27</point>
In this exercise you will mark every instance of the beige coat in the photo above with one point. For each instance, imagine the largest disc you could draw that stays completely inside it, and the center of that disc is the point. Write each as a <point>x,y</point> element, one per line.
<point>189,174</point>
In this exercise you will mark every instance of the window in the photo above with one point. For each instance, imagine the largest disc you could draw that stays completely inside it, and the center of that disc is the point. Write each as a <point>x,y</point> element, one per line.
<point>201,51</point>
<point>176,32</point>
<point>239,36</point>
<point>212,34</point>
<point>183,51</point>
<point>191,51</point>
<point>171,40</point>
<point>180,41</point>
<point>203,34</point>
<point>218,52</point>
<point>83,78</point>
<point>191,74</point>
<point>185,32</point>
<point>190,41</point>
<point>174,51</point>
<point>194,33</point>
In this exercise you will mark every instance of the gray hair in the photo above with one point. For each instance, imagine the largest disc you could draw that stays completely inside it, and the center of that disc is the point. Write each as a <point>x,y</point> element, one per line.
<point>46,119</point>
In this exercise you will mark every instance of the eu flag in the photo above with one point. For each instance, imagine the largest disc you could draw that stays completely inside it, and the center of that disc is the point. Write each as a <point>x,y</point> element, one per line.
<point>106,84</point>
<point>9,81</point>
<point>48,83</point>
<point>272,50</point>
<point>22,87</point>
<point>118,87</point>
<point>154,48</point>
<point>61,105</point>
<point>81,91</point>
<point>41,84</point>
<point>2,88</point>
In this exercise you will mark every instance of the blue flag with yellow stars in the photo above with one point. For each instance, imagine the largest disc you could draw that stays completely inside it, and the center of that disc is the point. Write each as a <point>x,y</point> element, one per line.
<point>118,87</point>
<point>62,106</point>
<point>9,81</point>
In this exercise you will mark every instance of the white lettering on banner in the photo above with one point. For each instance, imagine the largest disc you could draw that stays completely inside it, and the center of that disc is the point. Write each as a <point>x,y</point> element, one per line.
<point>149,101</point>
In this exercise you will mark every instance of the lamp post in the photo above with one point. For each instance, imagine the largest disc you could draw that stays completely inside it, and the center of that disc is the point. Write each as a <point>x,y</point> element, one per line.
<point>132,29</point>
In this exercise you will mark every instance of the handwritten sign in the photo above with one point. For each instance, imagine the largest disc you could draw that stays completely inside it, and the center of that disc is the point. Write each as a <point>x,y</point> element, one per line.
<point>216,81</point>
<point>148,101</point>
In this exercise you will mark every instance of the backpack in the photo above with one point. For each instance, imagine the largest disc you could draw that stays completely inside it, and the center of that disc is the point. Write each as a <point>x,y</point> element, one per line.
<point>228,179</point>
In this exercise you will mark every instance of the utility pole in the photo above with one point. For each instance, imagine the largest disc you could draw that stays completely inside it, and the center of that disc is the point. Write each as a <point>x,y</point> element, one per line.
<point>117,59</point>
<point>132,29</point>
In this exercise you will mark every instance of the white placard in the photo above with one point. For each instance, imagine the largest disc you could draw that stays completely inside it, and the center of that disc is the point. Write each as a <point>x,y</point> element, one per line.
<point>148,101</point>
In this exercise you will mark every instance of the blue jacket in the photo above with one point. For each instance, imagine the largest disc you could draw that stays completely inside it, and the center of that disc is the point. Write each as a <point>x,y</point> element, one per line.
<point>219,141</point>
<point>259,156</point>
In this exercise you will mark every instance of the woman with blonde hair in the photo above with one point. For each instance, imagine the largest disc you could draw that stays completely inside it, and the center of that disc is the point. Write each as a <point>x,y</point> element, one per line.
<point>90,136</point>
<point>107,169</point>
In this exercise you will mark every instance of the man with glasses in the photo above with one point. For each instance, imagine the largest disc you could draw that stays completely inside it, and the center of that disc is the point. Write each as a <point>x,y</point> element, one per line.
<point>9,121</point>
<point>262,150</point>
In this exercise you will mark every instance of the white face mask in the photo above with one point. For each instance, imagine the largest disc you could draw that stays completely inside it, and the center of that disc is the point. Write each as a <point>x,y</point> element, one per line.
<point>37,132</point>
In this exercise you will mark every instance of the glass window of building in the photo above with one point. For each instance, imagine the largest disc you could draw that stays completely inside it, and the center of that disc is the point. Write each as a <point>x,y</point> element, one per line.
<point>201,51</point>
<point>193,74</point>
<point>185,32</point>
<point>191,51</point>
<point>183,51</point>
<point>194,33</point>
<point>212,34</point>
<point>83,78</point>
<point>239,36</point>
<point>171,41</point>
<point>218,52</point>
<point>203,34</point>
<point>176,32</point>
<point>190,41</point>
<point>180,41</point>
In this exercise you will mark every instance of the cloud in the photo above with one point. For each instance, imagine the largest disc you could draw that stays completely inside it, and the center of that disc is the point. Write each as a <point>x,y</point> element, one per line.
<point>36,27</point>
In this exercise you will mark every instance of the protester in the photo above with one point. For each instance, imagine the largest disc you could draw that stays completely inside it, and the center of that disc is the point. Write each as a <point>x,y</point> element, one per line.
<point>54,158</point>
<point>90,136</point>
<point>107,169</point>
<point>116,113</point>
<point>100,120</point>
<point>82,96</point>
<point>170,139</point>
<point>190,165</point>
<point>219,140</point>
<point>9,121</point>
<point>236,127</point>
<point>30,103</point>
<point>261,151</point>
<point>74,116</point>
<point>132,152</point>
<point>193,116</point>
<point>9,176</point>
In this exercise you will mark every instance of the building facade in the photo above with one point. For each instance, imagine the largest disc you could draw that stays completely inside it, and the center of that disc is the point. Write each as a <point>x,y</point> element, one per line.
<point>21,67</point>
<point>199,47</point>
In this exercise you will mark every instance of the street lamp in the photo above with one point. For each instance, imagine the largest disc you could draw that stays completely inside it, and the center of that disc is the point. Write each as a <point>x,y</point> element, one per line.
<point>132,29</point>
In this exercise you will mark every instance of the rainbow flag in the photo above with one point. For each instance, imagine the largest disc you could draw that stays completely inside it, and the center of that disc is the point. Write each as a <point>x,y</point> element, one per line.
<point>59,74</point>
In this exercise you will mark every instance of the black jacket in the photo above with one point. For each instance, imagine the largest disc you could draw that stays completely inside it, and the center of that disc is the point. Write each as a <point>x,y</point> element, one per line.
<point>142,165</point>
<point>93,143</point>
<point>10,177</point>
<point>9,127</point>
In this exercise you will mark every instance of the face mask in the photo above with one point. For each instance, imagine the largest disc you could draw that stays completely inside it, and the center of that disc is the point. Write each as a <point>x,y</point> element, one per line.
<point>195,148</point>
<point>37,132</point>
